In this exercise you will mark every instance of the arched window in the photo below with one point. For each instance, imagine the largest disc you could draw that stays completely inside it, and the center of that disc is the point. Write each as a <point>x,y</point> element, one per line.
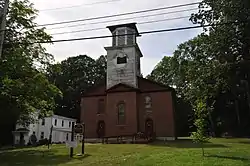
<point>121,113</point>
<point>148,102</point>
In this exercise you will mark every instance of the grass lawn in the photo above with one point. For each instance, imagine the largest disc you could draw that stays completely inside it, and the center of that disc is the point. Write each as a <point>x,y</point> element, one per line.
<point>224,152</point>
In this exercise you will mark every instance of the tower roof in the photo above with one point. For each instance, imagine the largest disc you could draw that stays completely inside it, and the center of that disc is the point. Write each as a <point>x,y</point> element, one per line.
<point>129,25</point>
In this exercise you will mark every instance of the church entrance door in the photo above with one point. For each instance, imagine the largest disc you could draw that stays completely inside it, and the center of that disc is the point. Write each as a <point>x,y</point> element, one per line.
<point>101,129</point>
<point>149,128</point>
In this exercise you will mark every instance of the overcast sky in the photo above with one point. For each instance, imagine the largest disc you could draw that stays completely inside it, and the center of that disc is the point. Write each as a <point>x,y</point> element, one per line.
<point>153,46</point>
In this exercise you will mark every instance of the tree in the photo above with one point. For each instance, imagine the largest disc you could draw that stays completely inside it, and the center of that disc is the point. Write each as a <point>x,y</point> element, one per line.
<point>74,76</point>
<point>163,72</point>
<point>200,135</point>
<point>214,66</point>
<point>229,31</point>
<point>194,72</point>
<point>24,88</point>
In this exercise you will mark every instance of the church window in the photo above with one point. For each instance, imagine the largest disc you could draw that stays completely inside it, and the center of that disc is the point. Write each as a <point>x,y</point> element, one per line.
<point>121,37</point>
<point>121,113</point>
<point>114,38</point>
<point>121,60</point>
<point>101,106</point>
<point>148,102</point>
<point>130,37</point>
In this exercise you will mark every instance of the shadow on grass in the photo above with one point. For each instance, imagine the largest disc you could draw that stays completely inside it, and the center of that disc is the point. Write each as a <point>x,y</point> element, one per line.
<point>230,157</point>
<point>36,157</point>
<point>244,142</point>
<point>186,144</point>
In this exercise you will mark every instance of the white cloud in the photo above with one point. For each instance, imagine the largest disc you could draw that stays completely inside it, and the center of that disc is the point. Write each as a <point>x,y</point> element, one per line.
<point>153,46</point>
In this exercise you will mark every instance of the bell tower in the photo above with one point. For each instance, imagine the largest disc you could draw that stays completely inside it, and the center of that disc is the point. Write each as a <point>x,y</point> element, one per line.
<point>123,57</point>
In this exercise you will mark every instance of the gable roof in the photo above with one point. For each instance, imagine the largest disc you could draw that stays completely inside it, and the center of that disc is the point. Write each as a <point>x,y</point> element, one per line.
<point>150,85</point>
<point>144,86</point>
<point>121,87</point>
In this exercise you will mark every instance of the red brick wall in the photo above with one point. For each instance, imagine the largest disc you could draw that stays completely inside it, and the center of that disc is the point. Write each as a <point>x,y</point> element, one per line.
<point>89,108</point>
<point>90,118</point>
<point>162,113</point>
<point>130,127</point>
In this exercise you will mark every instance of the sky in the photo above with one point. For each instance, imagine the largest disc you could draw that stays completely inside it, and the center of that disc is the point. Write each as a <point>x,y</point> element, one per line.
<point>153,46</point>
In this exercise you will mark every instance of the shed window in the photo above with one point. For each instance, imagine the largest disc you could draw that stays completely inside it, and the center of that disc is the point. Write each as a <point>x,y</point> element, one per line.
<point>42,135</point>
<point>43,122</point>
<point>55,123</point>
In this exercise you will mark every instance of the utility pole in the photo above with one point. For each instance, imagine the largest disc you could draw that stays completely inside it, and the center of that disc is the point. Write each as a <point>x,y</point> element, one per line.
<point>4,9</point>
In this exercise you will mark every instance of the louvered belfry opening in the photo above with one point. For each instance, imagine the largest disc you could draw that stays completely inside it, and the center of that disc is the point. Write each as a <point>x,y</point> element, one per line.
<point>124,36</point>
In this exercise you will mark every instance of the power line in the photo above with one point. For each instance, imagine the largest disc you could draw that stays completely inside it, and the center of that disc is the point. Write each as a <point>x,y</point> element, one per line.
<point>84,30</point>
<point>140,23</point>
<point>161,20</point>
<point>110,36</point>
<point>122,14</point>
<point>123,19</point>
<point>102,37</point>
<point>74,6</point>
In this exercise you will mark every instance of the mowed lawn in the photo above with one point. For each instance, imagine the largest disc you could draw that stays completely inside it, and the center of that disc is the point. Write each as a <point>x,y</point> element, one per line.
<point>224,152</point>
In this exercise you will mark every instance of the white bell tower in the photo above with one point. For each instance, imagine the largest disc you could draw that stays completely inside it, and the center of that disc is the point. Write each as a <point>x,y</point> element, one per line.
<point>123,57</point>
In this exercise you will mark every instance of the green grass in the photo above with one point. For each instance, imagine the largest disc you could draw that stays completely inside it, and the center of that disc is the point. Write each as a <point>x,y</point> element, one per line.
<point>224,152</point>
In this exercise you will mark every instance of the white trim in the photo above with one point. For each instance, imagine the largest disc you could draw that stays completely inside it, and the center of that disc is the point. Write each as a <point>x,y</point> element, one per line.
<point>63,117</point>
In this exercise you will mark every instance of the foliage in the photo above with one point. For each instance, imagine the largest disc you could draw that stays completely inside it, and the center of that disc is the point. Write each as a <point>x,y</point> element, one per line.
<point>215,64</point>
<point>193,71</point>
<point>73,76</point>
<point>230,34</point>
<point>24,87</point>
<point>200,135</point>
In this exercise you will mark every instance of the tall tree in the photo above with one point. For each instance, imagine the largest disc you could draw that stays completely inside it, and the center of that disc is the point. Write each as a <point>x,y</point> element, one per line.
<point>24,88</point>
<point>230,34</point>
<point>73,76</point>
<point>194,72</point>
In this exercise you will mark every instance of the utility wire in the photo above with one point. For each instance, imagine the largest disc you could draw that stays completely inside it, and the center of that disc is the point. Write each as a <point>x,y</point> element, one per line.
<point>110,36</point>
<point>123,19</point>
<point>122,14</point>
<point>102,37</point>
<point>140,23</point>
<point>86,4</point>
<point>145,32</point>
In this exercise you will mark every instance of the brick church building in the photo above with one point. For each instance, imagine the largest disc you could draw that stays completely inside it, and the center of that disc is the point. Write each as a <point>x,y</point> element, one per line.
<point>126,103</point>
